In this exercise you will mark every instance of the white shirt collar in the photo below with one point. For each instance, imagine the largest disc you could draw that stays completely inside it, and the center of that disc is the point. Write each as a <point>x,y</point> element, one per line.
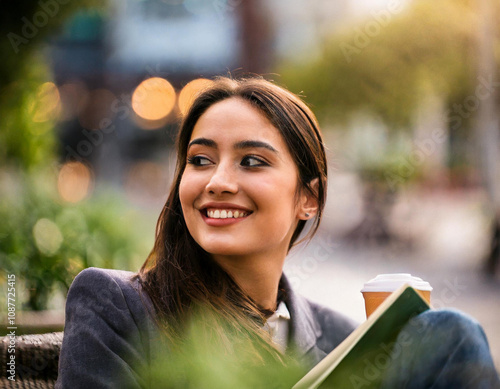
<point>278,326</point>
<point>281,312</point>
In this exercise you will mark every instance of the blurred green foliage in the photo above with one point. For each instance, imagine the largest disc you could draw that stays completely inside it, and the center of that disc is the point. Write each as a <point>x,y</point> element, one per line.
<point>392,64</point>
<point>388,64</point>
<point>24,143</point>
<point>214,355</point>
<point>46,242</point>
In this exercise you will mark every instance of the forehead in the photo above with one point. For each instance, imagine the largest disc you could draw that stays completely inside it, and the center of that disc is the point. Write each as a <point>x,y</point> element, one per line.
<point>236,119</point>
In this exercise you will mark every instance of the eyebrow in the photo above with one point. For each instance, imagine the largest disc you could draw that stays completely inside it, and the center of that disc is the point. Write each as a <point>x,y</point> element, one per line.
<point>203,142</point>
<point>246,144</point>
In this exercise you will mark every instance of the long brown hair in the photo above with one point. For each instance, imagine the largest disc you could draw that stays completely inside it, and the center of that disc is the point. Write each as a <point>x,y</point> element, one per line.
<point>178,275</point>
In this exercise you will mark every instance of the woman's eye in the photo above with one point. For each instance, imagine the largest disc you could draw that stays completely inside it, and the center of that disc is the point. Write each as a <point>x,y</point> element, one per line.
<point>198,161</point>
<point>250,161</point>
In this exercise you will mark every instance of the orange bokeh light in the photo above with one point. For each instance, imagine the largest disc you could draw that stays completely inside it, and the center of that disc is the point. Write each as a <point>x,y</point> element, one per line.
<point>153,99</point>
<point>74,182</point>
<point>190,91</point>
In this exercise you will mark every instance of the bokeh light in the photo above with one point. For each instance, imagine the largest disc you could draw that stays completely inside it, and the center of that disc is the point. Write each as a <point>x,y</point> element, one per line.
<point>48,237</point>
<point>74,182</point>
<point>153,99</point>
<point>190,91</point>
<point>47,104</point>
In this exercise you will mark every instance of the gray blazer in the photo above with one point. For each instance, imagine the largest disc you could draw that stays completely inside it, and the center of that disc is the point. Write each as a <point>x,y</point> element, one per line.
<point>109,336</point>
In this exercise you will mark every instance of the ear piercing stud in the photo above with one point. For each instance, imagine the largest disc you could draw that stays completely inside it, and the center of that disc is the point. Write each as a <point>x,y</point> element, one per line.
<point>306,215</point>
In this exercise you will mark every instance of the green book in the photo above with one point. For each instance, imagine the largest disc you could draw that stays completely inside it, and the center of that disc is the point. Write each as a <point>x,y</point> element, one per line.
<point>361,359</point>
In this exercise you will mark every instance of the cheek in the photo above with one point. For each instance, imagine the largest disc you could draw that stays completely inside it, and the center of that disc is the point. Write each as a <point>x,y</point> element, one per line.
<point>191,187</point>
<point>185,192</point>
<point>275,194</point>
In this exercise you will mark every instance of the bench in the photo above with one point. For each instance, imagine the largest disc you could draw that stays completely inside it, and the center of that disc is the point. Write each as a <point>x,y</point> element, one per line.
<point>36,360</point>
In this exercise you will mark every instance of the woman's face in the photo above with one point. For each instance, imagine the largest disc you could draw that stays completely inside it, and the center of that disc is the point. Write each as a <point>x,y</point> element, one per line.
<point>238,190</point>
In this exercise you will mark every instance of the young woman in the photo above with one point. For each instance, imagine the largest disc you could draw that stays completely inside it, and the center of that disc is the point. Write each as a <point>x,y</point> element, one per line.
<point>251,172</point>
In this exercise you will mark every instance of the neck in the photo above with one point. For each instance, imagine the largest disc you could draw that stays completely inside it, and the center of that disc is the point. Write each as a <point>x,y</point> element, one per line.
<point>257,276</point>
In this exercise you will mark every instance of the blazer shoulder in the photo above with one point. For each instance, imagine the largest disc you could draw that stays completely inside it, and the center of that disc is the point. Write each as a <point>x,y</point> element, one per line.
<point>108,332</point>
<point>94,275</point>
<point>119,287</point>
<point>109,290</point>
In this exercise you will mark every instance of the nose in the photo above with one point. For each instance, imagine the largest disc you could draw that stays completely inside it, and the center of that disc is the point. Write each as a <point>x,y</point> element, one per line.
<point>223,180</point>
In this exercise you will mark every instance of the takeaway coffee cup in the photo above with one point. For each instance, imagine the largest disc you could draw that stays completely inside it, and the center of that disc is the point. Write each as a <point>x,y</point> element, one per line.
<point>378,289</point>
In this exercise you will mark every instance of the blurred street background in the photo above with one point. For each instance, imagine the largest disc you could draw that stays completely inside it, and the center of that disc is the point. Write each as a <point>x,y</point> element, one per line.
<point>406,92</point>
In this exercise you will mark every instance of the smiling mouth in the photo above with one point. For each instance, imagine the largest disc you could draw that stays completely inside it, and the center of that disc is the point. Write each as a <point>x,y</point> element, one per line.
<point>215,213</point>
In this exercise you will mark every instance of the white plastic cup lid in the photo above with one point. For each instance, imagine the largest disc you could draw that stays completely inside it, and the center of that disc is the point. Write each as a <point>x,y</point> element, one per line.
<point>391,282</point>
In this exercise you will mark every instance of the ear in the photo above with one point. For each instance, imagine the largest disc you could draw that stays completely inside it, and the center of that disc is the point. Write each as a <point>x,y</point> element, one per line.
<point>308,204</point>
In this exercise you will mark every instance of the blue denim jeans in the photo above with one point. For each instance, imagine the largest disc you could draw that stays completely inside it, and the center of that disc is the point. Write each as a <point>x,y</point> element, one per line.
<point>441,349</point>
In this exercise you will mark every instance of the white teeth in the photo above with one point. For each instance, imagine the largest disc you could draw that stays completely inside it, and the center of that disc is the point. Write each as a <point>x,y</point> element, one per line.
<point>225,214</point>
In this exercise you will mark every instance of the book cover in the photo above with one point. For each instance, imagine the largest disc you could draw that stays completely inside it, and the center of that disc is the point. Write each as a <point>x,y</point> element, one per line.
<point>360,360</point>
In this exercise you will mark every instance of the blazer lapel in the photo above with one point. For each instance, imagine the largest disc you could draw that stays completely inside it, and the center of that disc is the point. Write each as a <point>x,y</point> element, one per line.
<point>304,329</point>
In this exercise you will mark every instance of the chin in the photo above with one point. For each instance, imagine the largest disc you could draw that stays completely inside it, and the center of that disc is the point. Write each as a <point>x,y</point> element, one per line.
<point>224,249</point>
<point>228,251</point>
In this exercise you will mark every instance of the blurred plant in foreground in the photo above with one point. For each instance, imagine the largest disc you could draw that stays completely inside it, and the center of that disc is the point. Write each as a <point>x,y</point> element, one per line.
<point>212,355</point>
